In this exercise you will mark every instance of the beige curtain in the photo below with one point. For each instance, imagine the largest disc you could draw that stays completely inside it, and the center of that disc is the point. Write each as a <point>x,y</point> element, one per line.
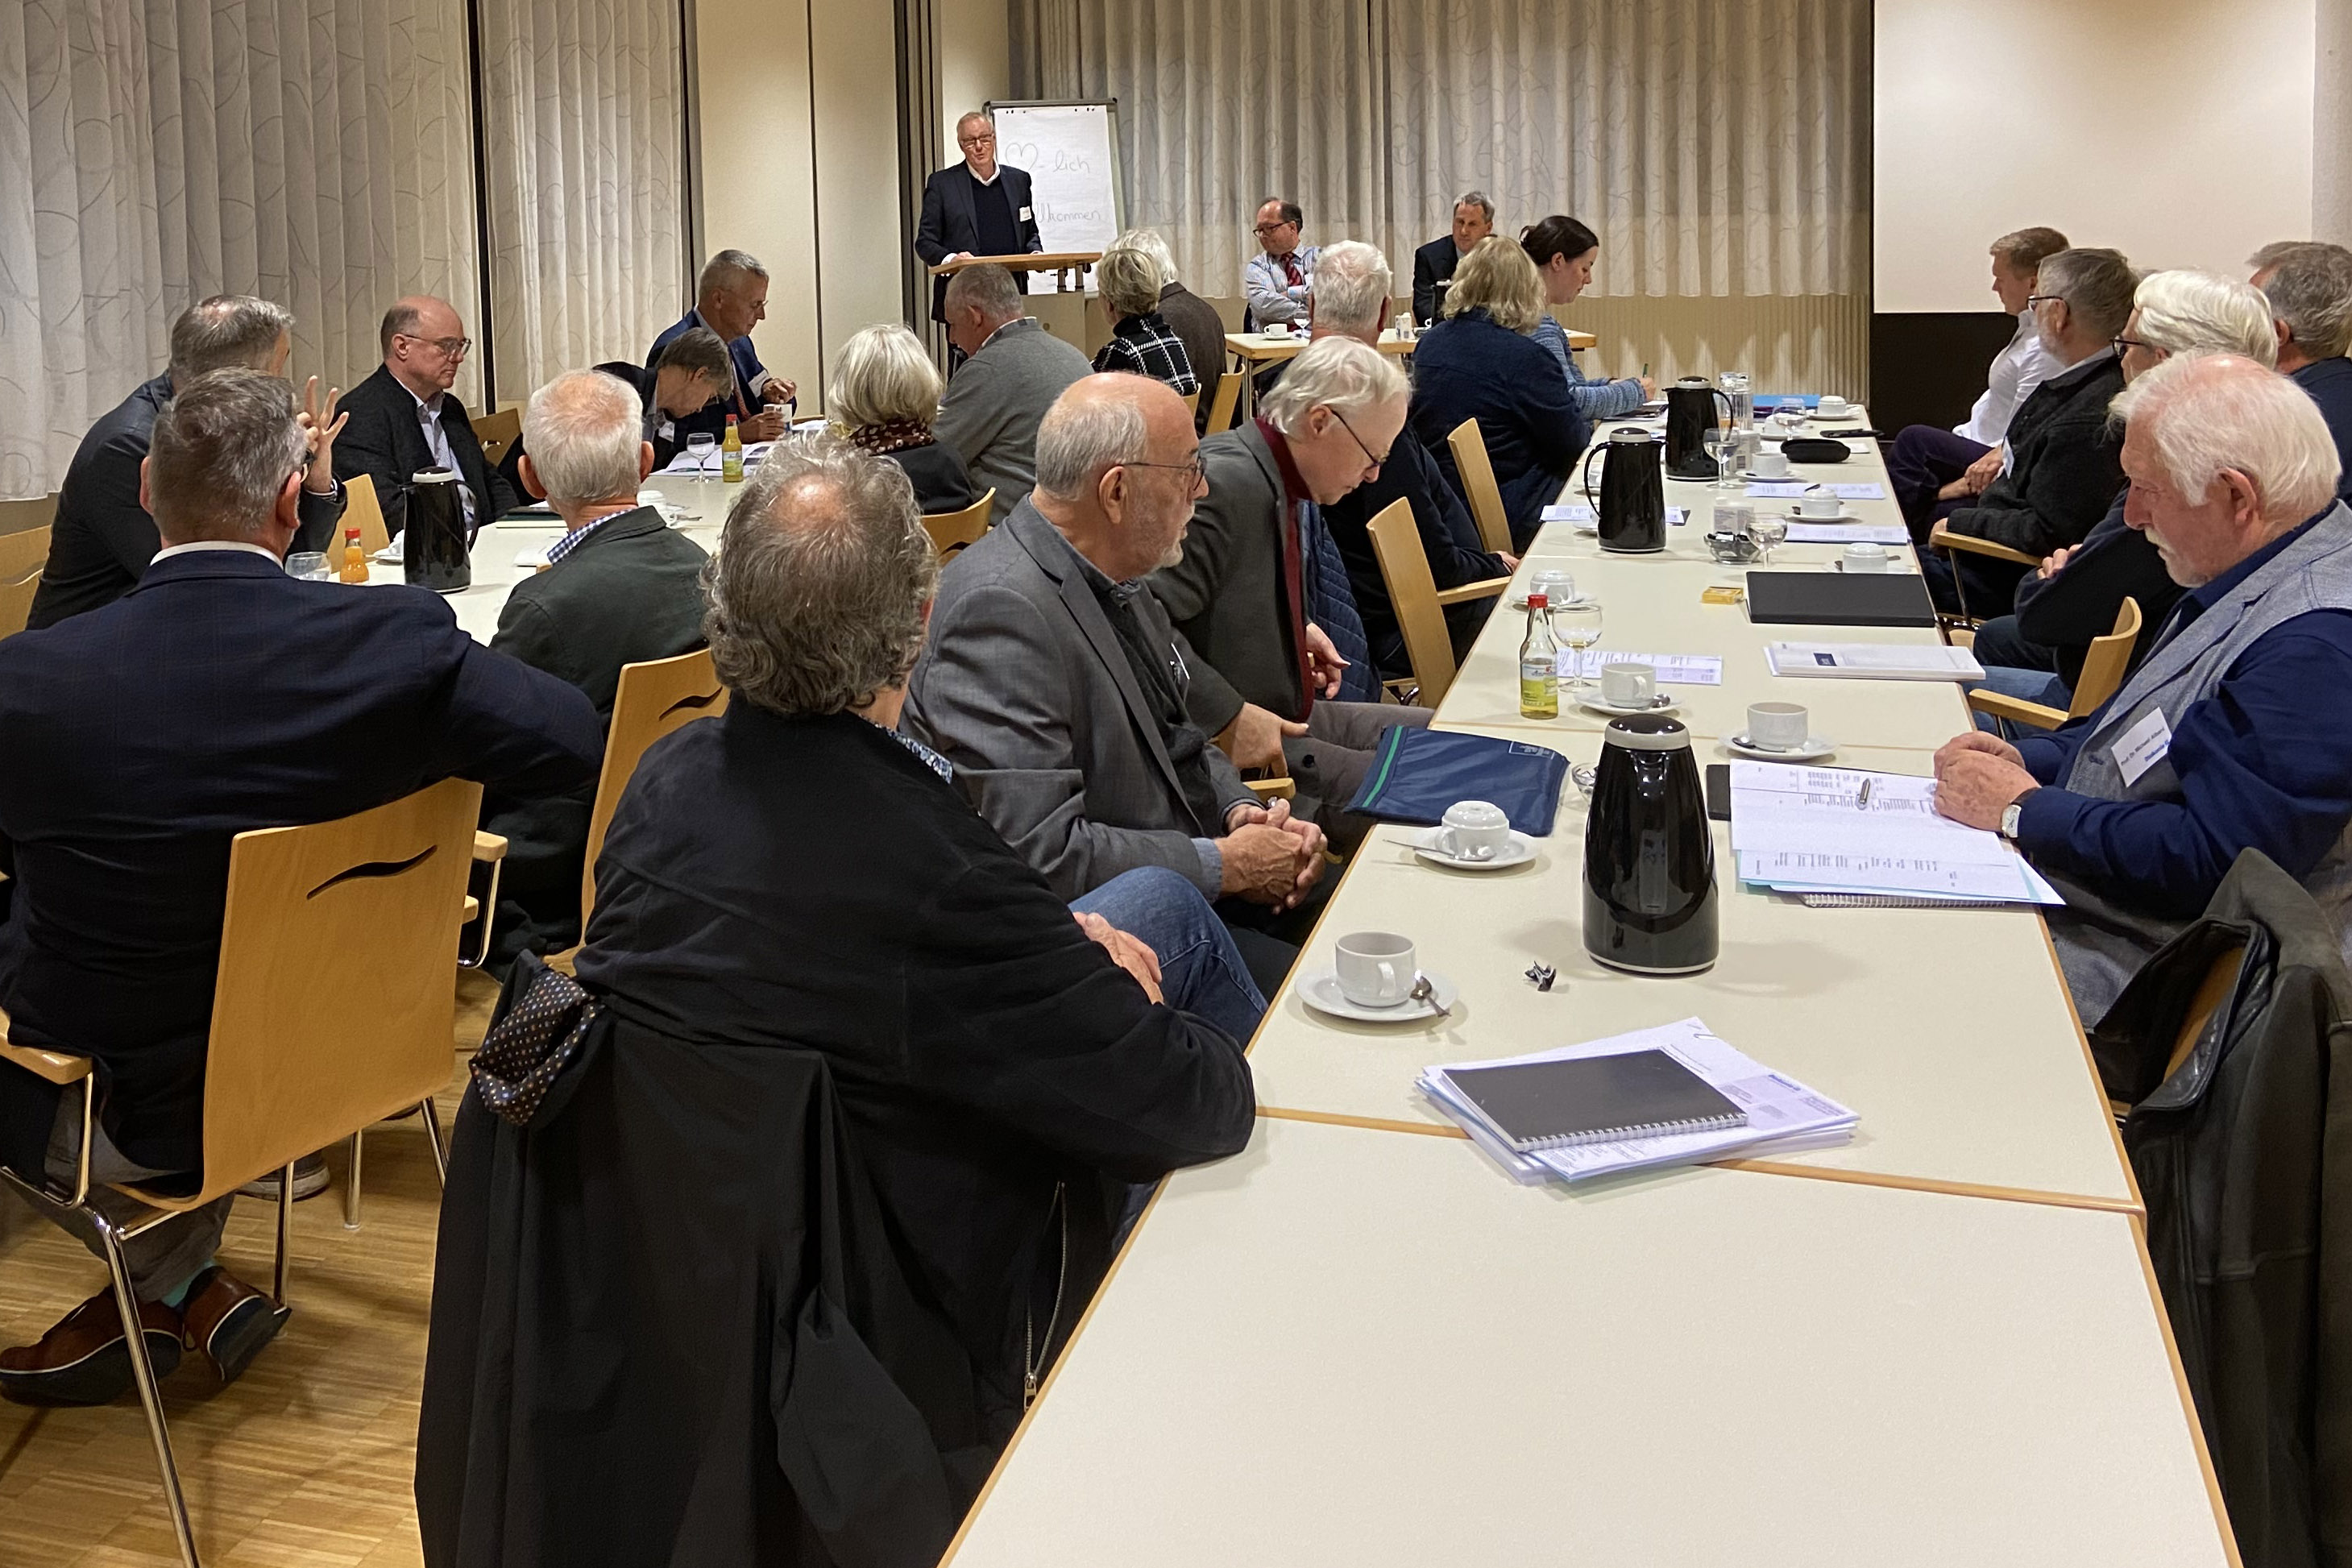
<point>1715,149</point>
<point>584,142</point>
<point>318,152</point>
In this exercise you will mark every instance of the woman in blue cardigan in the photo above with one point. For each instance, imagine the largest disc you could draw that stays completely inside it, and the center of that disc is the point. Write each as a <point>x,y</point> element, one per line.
<point>1479,364</point>
<point>1563,251</point>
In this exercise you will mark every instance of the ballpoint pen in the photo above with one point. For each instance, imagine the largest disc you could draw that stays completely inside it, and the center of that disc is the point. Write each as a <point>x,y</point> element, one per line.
<point>1862,800</point>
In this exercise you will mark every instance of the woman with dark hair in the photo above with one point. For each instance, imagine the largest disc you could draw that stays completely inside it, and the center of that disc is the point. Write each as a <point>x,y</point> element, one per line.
<point>1562,250</point>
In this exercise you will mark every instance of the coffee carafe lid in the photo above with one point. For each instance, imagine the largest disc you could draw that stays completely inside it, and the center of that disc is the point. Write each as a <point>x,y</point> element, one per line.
<point>1647,732</point>
<point>1630,435</point>
<point>1695,381</point>
<point>432,476</point>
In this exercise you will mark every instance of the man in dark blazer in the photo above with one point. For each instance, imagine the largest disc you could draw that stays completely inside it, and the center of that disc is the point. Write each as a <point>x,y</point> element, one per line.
<point>1433,264</point>
<point>978,208</point>
<point>730,298</point>
<point>404,419</point>
<point>1055,684</point>
<point>691,369</point>
<point>219,695</point>
<point>102,537</point>
<point>1262,596</point>
<point>621,587</point>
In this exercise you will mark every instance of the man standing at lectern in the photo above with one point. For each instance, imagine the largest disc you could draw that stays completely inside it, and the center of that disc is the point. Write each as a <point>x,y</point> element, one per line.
<point>977,208</point>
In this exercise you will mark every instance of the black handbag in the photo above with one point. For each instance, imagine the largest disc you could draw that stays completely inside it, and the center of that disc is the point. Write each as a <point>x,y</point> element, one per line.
<point>1814,450</point>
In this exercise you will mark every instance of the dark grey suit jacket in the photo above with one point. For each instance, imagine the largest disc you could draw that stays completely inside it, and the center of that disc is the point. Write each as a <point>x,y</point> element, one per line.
<point>948,226</point>
<point>1025,687</point>
<point>631,591</point>
<point>1226,594</point>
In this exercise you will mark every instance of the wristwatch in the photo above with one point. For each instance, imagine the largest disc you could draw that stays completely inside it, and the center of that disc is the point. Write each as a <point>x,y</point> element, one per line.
<point>2011,815</point>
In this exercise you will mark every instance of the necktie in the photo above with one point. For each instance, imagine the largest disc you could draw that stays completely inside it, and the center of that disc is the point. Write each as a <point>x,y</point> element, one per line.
<point>1290,269</point>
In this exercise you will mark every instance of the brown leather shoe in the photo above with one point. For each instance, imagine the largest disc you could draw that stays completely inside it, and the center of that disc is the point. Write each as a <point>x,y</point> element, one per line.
<point>85,1358</point>
<point>229,1320</point>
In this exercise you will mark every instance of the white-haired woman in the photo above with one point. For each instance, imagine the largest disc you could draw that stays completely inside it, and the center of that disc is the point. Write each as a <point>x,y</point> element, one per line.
<point>886,398</point>
<point>1142,341</point>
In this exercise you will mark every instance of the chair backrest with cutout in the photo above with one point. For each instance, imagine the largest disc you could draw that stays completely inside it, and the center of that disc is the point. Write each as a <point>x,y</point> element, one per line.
<point>334,1000</point>
<point>1224,401</point>
<point>364,512</point>
<point>652,699</point>
<point>496,432</point>
<point>951,530</point>
<point>1478,486</point>
<point>2106,662</point>
<point>1412,595</point>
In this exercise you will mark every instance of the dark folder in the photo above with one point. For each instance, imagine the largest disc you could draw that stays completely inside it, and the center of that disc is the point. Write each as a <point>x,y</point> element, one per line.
<point>1839,599</point>
<point>1594,1099</point>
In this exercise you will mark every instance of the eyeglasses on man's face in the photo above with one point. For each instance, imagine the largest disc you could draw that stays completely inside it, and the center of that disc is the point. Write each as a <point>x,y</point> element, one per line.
<point>1277,226</point>
<point>1195,472</point>
<point>1377,459</point>
<point>451,348</point>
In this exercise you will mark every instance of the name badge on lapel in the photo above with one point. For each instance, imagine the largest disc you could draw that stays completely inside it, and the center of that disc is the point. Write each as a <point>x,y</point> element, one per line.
<point>1024,215</point>
<point>666,430</point>
<point>2142,746</point>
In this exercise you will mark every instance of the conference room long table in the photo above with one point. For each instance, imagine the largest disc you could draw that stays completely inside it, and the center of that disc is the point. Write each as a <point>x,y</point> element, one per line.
<point>1359,1343</point>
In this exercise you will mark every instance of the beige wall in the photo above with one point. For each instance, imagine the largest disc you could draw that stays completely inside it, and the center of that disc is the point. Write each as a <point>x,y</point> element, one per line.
<point>975,61</point>
<point>2179,131</point>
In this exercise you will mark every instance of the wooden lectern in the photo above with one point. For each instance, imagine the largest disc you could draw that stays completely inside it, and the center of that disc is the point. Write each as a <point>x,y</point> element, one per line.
<point>1066,266</point>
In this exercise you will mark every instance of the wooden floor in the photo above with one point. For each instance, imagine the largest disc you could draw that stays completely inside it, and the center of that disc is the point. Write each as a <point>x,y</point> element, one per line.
<point>308,1459</point>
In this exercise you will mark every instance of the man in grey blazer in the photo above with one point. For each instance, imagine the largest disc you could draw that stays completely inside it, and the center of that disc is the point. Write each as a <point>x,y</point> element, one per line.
<point>996,399</point>
<point>1262,590</point>
<point>1055,684</point>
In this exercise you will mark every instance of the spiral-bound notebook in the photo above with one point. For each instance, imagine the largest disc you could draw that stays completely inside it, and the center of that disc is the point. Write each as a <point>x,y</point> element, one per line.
<point>1594,1099</point>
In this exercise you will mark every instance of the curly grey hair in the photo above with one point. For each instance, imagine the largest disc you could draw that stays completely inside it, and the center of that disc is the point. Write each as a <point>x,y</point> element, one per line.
<point>818,588</point>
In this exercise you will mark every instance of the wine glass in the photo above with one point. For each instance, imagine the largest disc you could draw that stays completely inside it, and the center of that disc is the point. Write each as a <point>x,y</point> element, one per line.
<point>1722,444</point>
<point>699,446</point>
<point>1578,625</point>
<point>1768,528</point>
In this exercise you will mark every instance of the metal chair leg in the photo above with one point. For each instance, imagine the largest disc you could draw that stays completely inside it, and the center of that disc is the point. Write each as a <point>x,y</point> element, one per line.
<point>142,1374</point>
<point>351,1183</point>
<point>285,1228</point>
<point>440,1149</point>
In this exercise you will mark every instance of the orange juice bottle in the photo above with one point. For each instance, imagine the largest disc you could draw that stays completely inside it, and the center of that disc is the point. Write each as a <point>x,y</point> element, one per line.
<point>730,454</point>
<point>356,566</point>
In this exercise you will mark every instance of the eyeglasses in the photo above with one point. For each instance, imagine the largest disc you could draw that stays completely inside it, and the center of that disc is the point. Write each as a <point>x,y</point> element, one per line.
<point>1196,469</point>
<point>975,140</point>
<point>1377,457</point>
<point>2120,344</point>
<point>1263,229</point>
<point>451,348</point>
<point>2033,300</point>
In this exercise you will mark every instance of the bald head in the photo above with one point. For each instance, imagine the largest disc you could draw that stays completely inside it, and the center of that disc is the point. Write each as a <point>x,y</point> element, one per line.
<point>423,342</point>
<point>1116,473</point>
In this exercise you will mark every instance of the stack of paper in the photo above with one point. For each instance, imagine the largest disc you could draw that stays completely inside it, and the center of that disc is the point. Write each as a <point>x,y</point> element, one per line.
<point>1783,1115</point>
<point>1821,833</point>
<point>1874,660</point>
<point>1674,668</point>
<point>685,463</point>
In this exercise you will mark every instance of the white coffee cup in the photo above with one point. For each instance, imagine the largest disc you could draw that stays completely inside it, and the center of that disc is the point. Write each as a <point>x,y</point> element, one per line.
<point>1557,587</point>
<point>1629,684</point>
<point>1833,407</point>
<point>1773,465</point>
<point>1275,330</point>
<point>1820,505</point>
<point>1476,830</point>
<point>1778,726</point>
<point>1375,967</point>
<point>1864,558</point>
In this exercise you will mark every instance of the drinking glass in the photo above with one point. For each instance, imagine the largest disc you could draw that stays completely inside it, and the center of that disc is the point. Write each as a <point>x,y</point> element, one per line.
<point>1579,626</point>
<point>700,447</point>
<point>308,564</point>
<point>1768,530</point>
<point>1723,445</point>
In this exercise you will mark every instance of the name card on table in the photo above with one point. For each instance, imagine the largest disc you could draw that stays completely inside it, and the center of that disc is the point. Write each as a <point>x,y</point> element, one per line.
<point>1674,668</point>
<point>1580,514</point>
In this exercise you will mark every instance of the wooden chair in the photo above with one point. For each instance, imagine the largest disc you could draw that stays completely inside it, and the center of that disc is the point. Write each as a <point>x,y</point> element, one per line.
<point>496,432</point>
<point>2103,667</point>
<point>301,1053</point>
<point>1225,401</point>
<point>952,531</point>
<point>23,556</point>
<point>1951,545</point>
<point>1418,602</point>
<point>2204,1004</point>
<point>1479,488</point>
<point>364,511</point>
<point>1192,400</point>
<point>652,699</point>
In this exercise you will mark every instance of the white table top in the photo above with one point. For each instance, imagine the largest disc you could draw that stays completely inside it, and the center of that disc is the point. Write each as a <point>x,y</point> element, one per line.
<point>1351,1348</point>
<point>498,550</point>
<point>1989,1089</point>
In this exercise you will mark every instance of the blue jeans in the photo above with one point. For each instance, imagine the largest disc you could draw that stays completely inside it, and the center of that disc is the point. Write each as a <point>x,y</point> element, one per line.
<point>2029,685</point>
<point>1200,970</point>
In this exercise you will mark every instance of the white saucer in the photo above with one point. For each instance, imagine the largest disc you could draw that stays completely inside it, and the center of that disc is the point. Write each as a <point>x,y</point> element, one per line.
<point>1430,845</point>
<point>1665,704</point>
<point>1322,993</point>
<point>1815,748</point>
<point>1841,517</point>
<point>1752,476</point>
